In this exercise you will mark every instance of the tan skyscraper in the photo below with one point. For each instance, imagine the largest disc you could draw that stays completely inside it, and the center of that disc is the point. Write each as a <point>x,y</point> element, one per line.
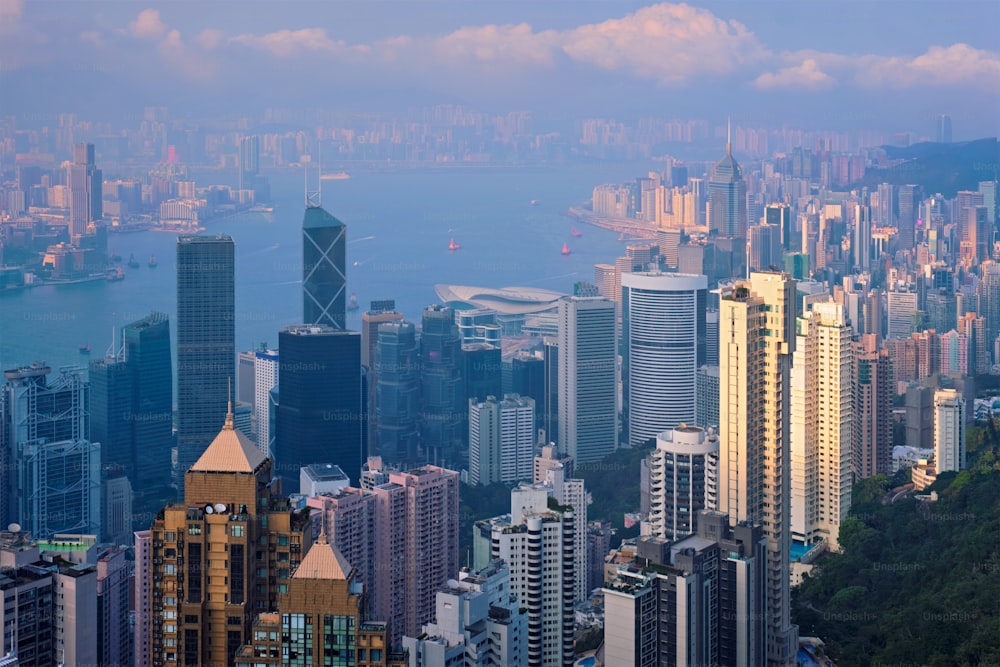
<point>822,427</point>
<point>756,342</point>
<point>222,555</point>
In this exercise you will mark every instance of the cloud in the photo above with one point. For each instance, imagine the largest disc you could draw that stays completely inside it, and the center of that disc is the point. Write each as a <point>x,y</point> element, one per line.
<point>287,43</point>
<point>505,44</point>
<point>807,75</point>
<point>147,25</point>
<point>10,12</point>
<point>958,64</point>
<point>666,42</point>
<point>210,39</point>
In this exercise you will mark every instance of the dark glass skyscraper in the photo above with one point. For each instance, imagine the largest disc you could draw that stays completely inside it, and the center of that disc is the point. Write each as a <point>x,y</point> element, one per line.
<point>147,353</point>
<point>324,277</point>
<point>727,194</point>
<point>444,407</point>
<point>320,414</point>
<point>206,341</point>
<point>397,396</point>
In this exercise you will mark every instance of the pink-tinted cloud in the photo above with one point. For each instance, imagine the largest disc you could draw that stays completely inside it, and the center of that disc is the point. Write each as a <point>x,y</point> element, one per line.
<point>147,25</point>
<point>958,64</point>
<point>806,75</point>
<point>505,44</point>
<point>287,43</point>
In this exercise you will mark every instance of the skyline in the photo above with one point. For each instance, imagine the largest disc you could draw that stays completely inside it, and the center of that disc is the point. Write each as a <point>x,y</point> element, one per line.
<point>757,62</point>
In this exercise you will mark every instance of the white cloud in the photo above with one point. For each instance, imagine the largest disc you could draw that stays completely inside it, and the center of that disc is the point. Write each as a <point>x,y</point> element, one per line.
<point>210,39</point>
<point>666,42</point>
<point>147,25</point>
<point>807,75</point>
<point>958,64</point>
<point>504,44</point>
<point>286,43</point>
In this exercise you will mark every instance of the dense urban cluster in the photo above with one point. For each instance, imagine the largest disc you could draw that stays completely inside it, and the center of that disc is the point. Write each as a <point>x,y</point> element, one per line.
<point>770,337</point>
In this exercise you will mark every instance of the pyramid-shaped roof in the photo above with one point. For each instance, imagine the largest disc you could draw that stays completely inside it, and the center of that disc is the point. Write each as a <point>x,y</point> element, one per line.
<point>231,451</point>
<point>317,216</point>
<point>323,561</point>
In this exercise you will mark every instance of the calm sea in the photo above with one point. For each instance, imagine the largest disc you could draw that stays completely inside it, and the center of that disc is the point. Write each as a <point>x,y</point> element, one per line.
<point>399,226</point>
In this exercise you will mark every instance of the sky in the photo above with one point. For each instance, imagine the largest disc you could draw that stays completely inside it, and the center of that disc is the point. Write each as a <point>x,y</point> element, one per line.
<point>890,64</point>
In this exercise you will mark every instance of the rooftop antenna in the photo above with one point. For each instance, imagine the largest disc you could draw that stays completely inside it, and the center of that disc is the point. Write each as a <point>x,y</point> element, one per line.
<point>314,197</point>
<point>729,135</point>
<point>229,412</point>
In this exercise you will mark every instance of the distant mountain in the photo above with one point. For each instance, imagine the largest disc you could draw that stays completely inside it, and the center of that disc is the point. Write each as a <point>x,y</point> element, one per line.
<point>944,168</point>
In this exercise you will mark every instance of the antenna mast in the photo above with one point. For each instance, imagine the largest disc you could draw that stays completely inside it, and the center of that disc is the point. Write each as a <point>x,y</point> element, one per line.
<point>314,198</point>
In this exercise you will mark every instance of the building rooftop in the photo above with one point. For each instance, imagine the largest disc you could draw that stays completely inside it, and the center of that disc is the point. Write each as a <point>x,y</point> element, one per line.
<point>231,451</point>
<point>323,561</point>
<point>325,472</point>
<point>318,217</point>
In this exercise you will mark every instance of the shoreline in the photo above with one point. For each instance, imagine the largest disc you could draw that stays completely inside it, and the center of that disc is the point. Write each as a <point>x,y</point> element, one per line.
<point>636,229</point>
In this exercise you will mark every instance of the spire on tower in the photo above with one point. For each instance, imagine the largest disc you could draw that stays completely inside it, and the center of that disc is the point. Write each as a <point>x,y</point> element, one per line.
<point>229,413</point>
<point>729,135</point>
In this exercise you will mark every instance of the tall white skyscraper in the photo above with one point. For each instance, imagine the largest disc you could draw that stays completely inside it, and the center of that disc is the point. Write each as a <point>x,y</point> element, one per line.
<point>588,378</point>
<point>822,424</point>
<point>756,342</point>
<point>265,373</point>
<point>949,431</point>
<point>501,440</point>
<point>663,331</point>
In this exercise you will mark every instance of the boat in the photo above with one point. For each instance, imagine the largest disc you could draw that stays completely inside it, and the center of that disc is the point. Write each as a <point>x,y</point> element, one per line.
<point>534,202</point>
<point>576,233</point>
<point>565,249</point>
<point>453,245</point>
<point>339,176</point>
<point>353,303</point>
<point>84,349</point>
<point>152,261</point>
<point>116,274</point>
<point>132,263</point>
<point>357,263</point>
<point>114,257</point>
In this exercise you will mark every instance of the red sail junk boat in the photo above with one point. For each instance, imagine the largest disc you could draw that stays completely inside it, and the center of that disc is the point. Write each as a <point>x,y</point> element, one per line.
<point>453,245</point>
<point>576,233</point>
<point>565,249</point>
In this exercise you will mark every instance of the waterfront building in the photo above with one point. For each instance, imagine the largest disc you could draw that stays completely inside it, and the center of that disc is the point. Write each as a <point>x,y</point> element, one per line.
<point>206,341</point>
<point>756,343</point>
<point>320,416</point>
<point>324,269</point>
<point>663,345</point>
<point>85,187</point>
<point>587,379</point>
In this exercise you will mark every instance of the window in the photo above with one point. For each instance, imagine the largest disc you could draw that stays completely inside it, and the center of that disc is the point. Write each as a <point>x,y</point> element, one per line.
<point>169,627</point>
<point>282,540</point>
<point>194,529</point>
<point>237,530</point>
<point>170,569</point>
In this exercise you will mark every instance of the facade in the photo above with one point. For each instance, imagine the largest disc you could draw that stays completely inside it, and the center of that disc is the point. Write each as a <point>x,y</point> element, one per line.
<point>727,196</point>
<point>822,428</point>
<point>53,476</point>
<point>324,269</point>
<point>949,431</point>
<point>265,378</point>
<point>114,641</point>
<point>85,186</point>
<point>142,589</point>
<point>871,448</point>
<point>707,388</point>
<point>381,312</point>
<point>321,620</point>
<point>397,397</point>
<point>231,521</point>
<point>442,401</point>
<point>587,379</point>
<point>663,345</point>
<point>501,440</point>
<point>764,247</point>
<point>320,415</point>
<point>683,480</point>
<point>902,308</point>
<point>206,341</point>
<point>478,622</point>
<point>536,541</point>
<point>756,343</point>
<point>550,458</point>
<point>698,601</point>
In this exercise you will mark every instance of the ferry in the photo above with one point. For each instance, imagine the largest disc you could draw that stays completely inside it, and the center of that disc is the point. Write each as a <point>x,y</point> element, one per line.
<point>132,263</point>
<point>565,249</point>
<point>152,261</point>
<point>453,245</point>
<point>84,349</point>
<point>116,274</point>
<point>576,233</point>
<point>353,303</point>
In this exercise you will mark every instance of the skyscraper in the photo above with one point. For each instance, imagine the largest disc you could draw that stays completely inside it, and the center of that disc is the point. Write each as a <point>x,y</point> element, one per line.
<point>908,212</point>
<point>249,161</point>
<point>265,378</point>
<point>52,474</point>
<point>443,404</point>
<point>320,416</point>
<point>501,440</point>
<point>588,378</point>
<point>684,470</point>
<point>872,443</point>
<point>822,428</point>
<point>85,186</point>
<point>663,344</point>
<point>780,215</point>
<point>727,196</point>
<point>397,398</point>
<point>206,341</point>
<point>207,579</point>
<point>764,247</point>
<point>380,312</point>
<point>862,243</point>
<point>324,269</point>
<point>756,343</point>
<point>949,431</point>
